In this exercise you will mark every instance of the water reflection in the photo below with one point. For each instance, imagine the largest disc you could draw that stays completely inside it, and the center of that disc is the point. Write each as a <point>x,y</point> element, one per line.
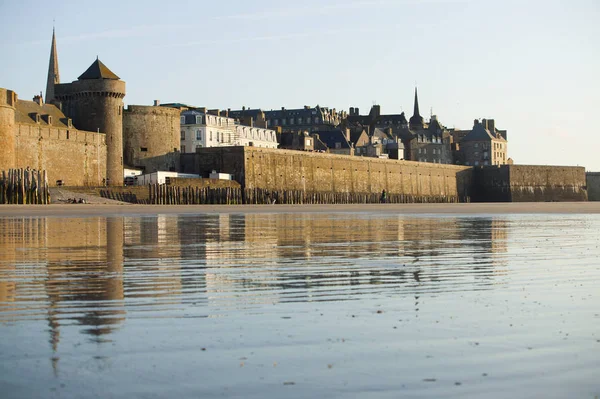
<point>93,270</point>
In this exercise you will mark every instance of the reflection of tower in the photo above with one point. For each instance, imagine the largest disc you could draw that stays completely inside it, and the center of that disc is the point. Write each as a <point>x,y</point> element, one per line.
<point>114,258</point>
<point>95,103</point>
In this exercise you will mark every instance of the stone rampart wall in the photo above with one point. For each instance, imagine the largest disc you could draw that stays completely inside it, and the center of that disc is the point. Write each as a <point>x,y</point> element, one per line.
<point>317,172</point>
<point>593,185</point>
<point>529,183</point>
<point>78,158</point>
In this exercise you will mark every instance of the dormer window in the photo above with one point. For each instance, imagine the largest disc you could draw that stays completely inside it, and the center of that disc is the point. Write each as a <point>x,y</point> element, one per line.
<point>182,119</point>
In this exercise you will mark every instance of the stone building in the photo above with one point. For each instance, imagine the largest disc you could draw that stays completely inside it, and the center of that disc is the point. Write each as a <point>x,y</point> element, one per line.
<point>95,103</point>
<point>308,118</point>
<point>425,142</point>
<point>201,128</point>
<point>483,145</point>
<point>151,138</point>
<point>299,140</point>
<point>337,141</point>
<point>415,140</point>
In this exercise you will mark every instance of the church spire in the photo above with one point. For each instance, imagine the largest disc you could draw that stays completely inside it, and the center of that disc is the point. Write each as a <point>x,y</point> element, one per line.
<point>53,76</point>
<point>416,121</point>
<point>416,110</point>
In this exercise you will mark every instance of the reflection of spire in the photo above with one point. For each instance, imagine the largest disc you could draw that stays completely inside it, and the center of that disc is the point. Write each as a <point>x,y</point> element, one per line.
<point>53,75</point>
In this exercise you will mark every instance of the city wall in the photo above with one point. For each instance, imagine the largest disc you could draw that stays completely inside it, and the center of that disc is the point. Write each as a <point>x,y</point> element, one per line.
<point>78,158</point>
<point>529,183</point>
<point>593,185</point>
<point>276,169</point>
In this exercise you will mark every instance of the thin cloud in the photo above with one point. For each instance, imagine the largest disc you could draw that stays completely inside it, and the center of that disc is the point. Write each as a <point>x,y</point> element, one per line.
<point>303,11</point>
<point>134,31</point>
<point>275,37</point>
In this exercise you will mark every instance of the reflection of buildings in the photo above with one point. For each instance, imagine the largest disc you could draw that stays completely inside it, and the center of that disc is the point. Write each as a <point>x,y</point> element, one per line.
<point>263,258</point>
<point>153,251</point>
<point>77,264</point>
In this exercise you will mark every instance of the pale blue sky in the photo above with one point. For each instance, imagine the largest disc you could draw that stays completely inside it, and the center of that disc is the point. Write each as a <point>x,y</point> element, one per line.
<point>531,65</point>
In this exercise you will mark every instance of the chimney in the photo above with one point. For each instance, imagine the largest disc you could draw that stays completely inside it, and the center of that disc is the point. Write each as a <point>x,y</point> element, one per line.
<point>38,99</point>
<point>156,103</point>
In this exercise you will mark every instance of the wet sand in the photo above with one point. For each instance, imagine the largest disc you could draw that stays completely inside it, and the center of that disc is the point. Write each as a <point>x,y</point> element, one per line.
<point>439,209</point>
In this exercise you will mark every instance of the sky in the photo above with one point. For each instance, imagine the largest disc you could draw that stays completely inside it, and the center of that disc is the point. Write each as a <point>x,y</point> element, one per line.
<point>532,66</point>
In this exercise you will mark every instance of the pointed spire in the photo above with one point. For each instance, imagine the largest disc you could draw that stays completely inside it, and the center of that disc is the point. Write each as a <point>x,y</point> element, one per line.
<point>416,121</point>
<point>416,110</point>
<point>53,75</point>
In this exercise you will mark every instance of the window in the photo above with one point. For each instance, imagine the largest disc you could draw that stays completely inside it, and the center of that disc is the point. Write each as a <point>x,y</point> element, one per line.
<point>183,148</point>
<point>182,135</point>
<point>338,145</point>
<point>276,122</point>
<point>316,119</point>
<point>198,134</point>
<point>211,135</point>
<point>182,119</point>
<point>198,119</point>
<point>419,150</point>
<point>476,145</point>
<point>291,121</point>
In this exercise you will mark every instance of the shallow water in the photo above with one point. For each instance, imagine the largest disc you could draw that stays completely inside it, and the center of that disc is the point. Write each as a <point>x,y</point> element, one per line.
<point>300,305</point>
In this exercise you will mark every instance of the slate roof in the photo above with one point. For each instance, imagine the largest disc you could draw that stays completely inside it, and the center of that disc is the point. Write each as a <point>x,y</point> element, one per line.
<point>380,134</point>
<point>25,111</point>
<point>98,71</point>
<point>480,133</point>
<point>331,137</point>
<point>355,135</point>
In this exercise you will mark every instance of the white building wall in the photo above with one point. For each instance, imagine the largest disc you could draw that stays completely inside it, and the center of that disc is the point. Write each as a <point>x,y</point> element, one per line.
<point>218,131</point>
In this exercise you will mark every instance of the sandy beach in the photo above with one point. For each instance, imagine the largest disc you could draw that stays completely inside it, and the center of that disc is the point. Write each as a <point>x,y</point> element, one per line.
<point>81,210</point>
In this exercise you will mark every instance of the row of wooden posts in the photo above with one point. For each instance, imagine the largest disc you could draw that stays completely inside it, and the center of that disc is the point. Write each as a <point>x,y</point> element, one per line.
<point>161,194</point>
<point>24,186</point>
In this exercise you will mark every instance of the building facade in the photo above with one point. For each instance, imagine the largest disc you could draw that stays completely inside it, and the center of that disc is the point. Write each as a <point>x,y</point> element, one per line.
<point>483,145</point>
<point>308,118</point>
<point>200,128</point>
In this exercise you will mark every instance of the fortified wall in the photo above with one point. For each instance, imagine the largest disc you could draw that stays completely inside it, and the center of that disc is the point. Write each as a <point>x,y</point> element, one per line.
<point>276,169</point>
<point>593,185</point>
<point>39,136</point>
<point>151,137</point>
<point>529,183</point>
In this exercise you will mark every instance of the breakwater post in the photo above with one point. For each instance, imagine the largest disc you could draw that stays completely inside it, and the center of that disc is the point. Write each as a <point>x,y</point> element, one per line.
<point>24,186</point>
<point>162,194</point>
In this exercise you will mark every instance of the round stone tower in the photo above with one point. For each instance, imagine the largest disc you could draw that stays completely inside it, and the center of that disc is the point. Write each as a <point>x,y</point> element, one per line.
<point>8,101</point>
<point>151,136</point>
<point>95,103</point>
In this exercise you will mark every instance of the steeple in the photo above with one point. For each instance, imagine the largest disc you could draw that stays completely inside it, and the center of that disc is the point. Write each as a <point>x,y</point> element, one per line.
<point>53,76</point>
<point>416,110</point>
<point>416,121</point>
